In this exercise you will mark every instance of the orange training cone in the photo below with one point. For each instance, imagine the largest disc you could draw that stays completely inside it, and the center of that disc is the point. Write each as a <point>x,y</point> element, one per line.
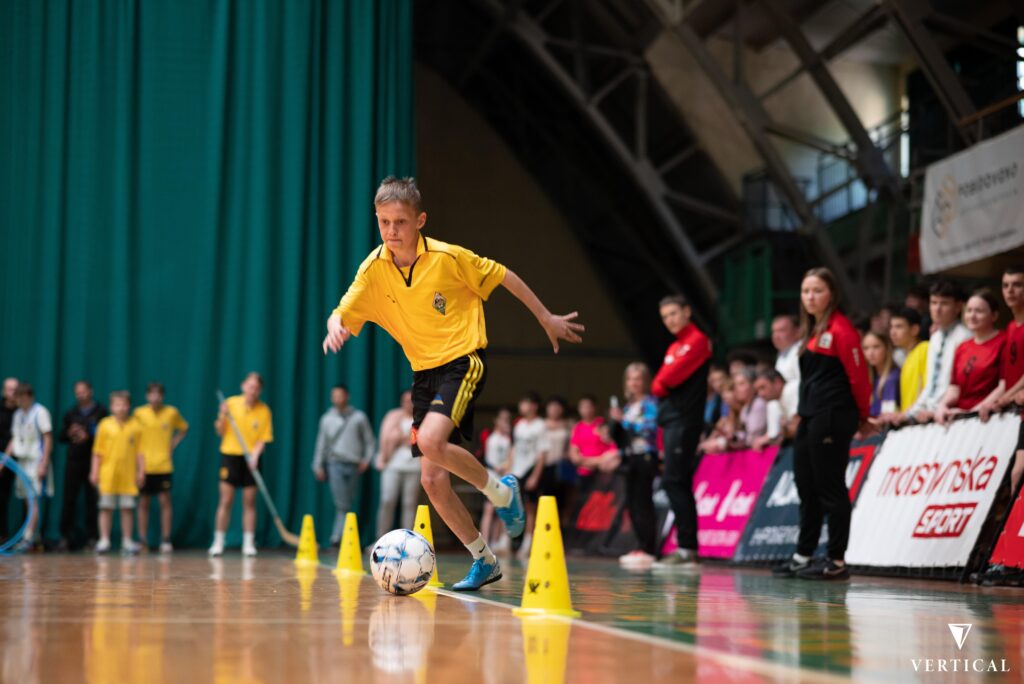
<point>307,553</point>
<point>546,590</point>
<point>350,555</point>
<point>422,527</point>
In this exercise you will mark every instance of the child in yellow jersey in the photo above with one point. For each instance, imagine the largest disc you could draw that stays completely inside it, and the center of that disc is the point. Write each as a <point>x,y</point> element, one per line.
<point>429,296</point>
<point>255,422</point>
<point>163,428</point>
<point>118,470</point>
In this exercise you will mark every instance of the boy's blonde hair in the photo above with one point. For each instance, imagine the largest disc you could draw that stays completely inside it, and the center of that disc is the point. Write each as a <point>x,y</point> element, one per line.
<point>121,394</point>
<point>393,189</point>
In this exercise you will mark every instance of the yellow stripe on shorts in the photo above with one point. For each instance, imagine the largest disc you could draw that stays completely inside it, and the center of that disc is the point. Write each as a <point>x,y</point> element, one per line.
<point>467,388</point>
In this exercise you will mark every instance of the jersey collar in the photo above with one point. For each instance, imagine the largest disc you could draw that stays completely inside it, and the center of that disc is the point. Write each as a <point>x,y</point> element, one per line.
<point>421,248</point>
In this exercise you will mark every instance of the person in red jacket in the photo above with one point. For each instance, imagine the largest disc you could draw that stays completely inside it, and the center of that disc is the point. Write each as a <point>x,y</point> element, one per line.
<point>682,384</point>
<point>835,399</point>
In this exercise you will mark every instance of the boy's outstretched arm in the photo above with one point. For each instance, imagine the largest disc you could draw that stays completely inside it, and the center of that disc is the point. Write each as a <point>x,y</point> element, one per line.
<point>556,327</point>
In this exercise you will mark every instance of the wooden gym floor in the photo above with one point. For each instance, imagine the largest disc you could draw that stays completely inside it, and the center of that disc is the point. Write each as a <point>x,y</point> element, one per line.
<point>186,618</point>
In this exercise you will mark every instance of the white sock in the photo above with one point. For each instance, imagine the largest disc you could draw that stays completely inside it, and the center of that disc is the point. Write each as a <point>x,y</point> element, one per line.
<point>497,492</point>
<point>801,559</point>
<point>218,538</point>
<point>126,541</point>
<point>478,548</point>
<point>248,539</point>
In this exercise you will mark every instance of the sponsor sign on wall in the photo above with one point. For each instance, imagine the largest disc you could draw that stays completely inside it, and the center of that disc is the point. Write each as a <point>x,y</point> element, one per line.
<point>974,203</point>
<point>726,487</point>
<point>1009,549</point>
<point>772,531</point>
<point>929,492</point>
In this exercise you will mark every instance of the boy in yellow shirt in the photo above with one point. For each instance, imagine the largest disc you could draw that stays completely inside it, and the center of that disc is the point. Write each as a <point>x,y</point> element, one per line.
<point>118,470</point>
<point>255,422</point>
<point>428,295</point>
<point>163,429</point>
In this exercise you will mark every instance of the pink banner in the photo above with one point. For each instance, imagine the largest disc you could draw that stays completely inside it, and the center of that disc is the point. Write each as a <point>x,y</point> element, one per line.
<point>726,487</point>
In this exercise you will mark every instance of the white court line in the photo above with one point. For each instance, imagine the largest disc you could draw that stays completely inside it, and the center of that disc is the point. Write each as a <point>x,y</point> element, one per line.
<point>741,662</point>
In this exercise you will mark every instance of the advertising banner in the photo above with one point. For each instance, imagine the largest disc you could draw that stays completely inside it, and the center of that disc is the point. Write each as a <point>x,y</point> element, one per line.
<point>726,487</point>
<point>1009,549</point>
<point>974,203</point>
<point>929,491</point>
<point>772,531</point>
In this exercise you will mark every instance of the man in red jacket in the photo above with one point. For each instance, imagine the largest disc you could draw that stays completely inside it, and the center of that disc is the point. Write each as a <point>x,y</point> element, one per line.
<point>681,385</point>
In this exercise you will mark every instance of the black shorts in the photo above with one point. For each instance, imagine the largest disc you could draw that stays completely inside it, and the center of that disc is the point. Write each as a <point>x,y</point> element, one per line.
<point>235,472</point>
<point>451,390</point>
<point>155,484</point>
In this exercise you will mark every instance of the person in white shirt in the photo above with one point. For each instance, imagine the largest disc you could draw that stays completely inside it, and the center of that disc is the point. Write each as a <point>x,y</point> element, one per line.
<point>497,457</point>
<point>399,471</point>
<point>945,304</point>
<point>786,340</point>
<point>770,385</point>
<point>528,442</point>
<point>31,446</point>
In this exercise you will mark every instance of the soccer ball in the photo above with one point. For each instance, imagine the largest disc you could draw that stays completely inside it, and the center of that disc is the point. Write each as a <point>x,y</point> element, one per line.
<point>402,562</point>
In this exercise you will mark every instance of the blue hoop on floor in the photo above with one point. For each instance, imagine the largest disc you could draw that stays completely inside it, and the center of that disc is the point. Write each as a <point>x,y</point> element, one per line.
<point>11,463</point>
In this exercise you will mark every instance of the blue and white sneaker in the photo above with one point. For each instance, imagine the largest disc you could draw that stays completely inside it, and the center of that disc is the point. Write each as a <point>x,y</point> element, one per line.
<point>479,574</point>
<point>513,515</point>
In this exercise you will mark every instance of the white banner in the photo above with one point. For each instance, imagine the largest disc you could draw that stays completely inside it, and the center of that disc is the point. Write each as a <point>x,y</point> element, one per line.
<point>929,491</point>
<point>974,203</point>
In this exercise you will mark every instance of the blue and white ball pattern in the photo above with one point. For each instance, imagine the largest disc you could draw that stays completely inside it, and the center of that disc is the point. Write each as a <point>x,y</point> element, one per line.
<point>402,562</point>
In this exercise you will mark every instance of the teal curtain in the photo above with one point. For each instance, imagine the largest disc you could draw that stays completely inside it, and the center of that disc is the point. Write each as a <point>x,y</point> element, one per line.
<point>185,192</point>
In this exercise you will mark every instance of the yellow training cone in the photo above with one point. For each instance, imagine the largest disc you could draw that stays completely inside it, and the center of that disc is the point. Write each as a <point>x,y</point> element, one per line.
<point>350,555</point>
<point>422,527</point>
<point>546,590</point>
<point>546,647</point>
<point>307,553</point>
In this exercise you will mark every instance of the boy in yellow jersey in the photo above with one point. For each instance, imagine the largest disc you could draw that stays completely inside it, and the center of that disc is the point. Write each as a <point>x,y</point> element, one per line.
<point>163,428</point>
<point>429,296</point>
<point>255,422</point>
<point>118,470</point>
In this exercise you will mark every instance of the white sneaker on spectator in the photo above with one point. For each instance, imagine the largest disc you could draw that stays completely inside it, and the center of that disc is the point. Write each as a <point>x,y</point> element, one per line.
<point>524,550</point>
<point>636,559</point>
<point>217,549</point>
<point>503,546</point>
<point>249,550</point>
<point>166,547</point>
<point>130,547</point>
<point>102,546</point>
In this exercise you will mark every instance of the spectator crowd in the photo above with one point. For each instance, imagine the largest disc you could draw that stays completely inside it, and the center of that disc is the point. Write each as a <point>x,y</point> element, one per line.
<point>939,353</point>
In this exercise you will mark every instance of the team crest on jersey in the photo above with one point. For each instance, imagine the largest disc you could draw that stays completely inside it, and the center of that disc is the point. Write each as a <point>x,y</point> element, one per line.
<point>440,303</point>
<point>825,342</point>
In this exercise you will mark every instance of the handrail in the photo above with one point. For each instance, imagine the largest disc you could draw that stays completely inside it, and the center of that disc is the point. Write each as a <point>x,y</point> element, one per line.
<point>991,109</point>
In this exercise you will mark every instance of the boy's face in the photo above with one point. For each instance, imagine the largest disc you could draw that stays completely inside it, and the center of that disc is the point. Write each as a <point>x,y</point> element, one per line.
<point>503,422</point>
<point>251,388</point>
<point>399,226</point>
<point>119,407</point>
<point>339,398</point>
<point>527,407</point>
<point>944,310</point>
<point>902,333</point>
<point>767,389</point>
<point>586,409</point>
<point>675,317</point>
<point>554,410</point>
<point>83,393</point>
<point>24,401</point>
<point>154,397</point>
<point>1013,290</point>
